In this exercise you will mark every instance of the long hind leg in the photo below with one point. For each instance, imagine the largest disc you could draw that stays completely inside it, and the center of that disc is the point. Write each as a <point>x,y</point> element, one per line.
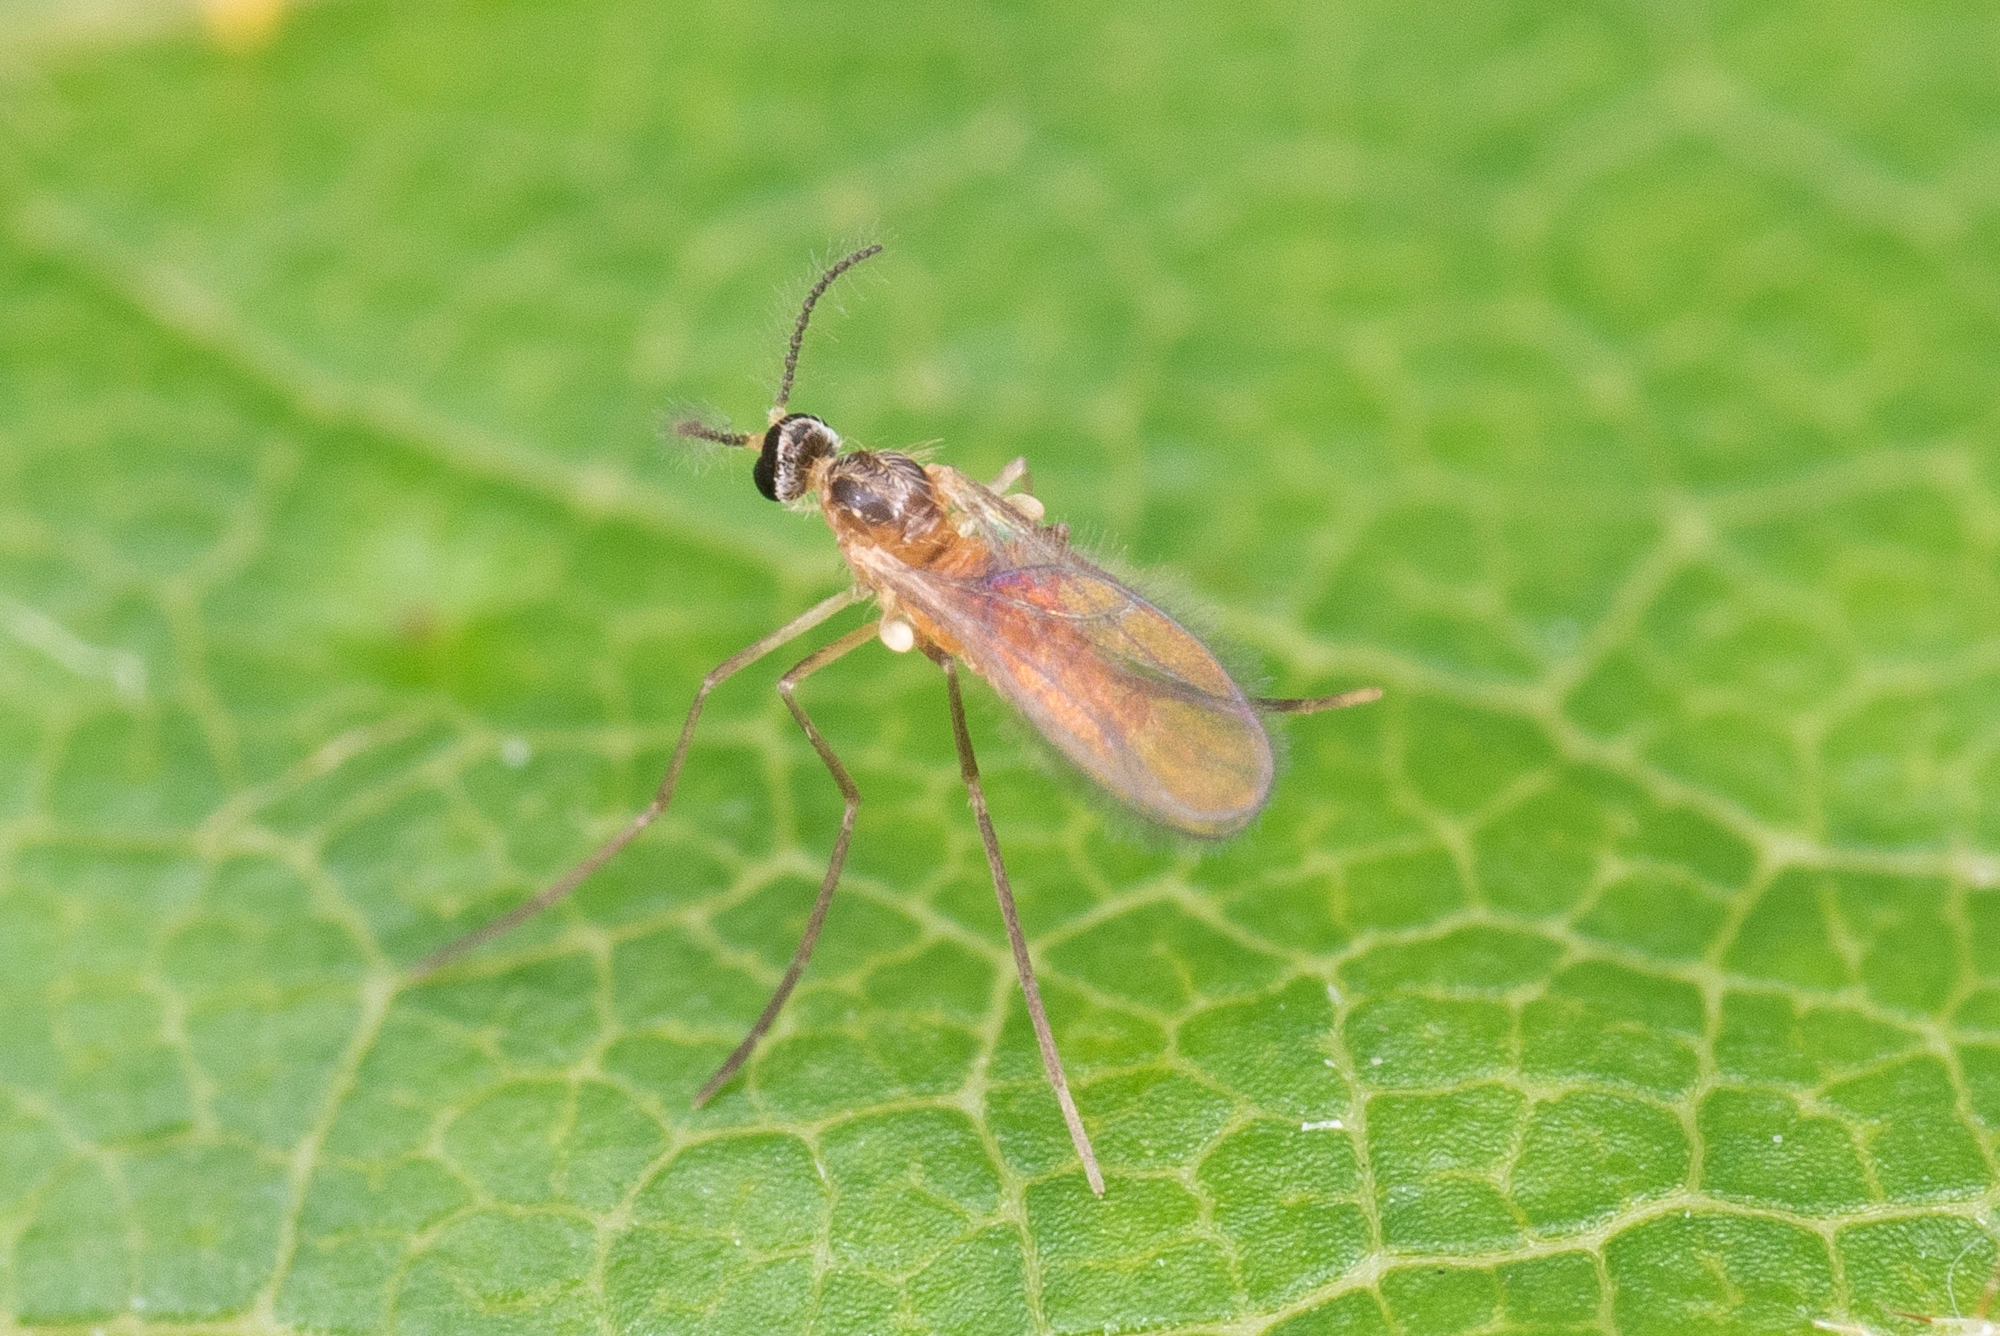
<point>968,769</point>
<point>560,889</point>
<point>788,684</point>
<point>1314,704</point>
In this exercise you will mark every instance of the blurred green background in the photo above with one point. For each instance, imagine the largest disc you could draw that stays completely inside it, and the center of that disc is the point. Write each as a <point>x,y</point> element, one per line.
<point>1613,383</point>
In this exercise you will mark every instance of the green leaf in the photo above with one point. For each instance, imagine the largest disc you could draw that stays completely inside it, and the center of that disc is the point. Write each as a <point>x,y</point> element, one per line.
<point>1613,385</point>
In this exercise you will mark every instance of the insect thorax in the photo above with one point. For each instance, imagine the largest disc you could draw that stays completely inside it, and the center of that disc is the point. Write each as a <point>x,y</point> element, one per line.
<point>887,501</point>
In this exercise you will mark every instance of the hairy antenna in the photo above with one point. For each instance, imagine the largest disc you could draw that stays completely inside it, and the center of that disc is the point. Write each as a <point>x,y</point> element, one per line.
<point>805,314</point>
<point>701,431</point>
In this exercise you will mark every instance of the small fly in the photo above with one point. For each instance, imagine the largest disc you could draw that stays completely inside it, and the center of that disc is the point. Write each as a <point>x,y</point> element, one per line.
<point>970,574</point>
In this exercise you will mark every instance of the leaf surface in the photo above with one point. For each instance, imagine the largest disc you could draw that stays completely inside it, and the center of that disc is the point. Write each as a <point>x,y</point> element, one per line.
<point>1615,387</point>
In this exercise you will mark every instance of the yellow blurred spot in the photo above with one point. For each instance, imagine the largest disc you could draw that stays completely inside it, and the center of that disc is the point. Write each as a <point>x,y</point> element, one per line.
<point>242,24</point>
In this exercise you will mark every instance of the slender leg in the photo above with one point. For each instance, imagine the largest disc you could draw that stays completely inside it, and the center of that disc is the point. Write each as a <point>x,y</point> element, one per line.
<point>1314,704</point>
<point>1016,471</point>
<point>1985,1304</point>
<point>968,768</point>
<point>787,684</point>
<point>1975,1324</point>
<point>561,887</point>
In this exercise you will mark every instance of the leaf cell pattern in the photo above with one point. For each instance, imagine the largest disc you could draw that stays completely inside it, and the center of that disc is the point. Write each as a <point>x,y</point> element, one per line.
<point>1614,385</point>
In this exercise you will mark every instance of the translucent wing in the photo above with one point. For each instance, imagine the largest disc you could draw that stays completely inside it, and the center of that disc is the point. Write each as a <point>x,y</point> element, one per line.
<point>1121,689</point>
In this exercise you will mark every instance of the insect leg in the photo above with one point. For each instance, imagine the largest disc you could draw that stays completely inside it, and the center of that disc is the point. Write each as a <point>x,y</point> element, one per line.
<point>787,684</point>
<point>968,768</point>
<point>561,887</point>
<point>1017,471</point>
<point>1314,704</point>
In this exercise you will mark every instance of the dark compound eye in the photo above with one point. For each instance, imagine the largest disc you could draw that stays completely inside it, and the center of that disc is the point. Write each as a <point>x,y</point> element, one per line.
<point>791,447</point>
<point>765,473</point>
